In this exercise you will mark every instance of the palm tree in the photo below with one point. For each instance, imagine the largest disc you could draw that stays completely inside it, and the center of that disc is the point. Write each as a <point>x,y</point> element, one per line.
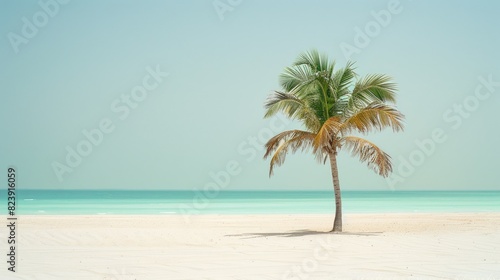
<point>331,104</point>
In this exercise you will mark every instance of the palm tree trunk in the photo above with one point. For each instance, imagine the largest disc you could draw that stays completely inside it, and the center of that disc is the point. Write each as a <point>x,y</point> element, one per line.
<point>337,224</point>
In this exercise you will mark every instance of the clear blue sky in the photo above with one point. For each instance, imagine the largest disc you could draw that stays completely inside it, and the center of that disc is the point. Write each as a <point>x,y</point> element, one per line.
<point>68,67</point>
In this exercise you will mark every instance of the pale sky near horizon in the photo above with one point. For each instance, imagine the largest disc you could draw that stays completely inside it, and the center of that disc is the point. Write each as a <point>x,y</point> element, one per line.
<point>82,65</point>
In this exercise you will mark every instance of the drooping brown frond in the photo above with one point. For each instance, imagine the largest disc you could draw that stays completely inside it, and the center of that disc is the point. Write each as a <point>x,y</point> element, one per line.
<point>327,134</point>
<point>368,152</point>
<point>278,139</point>
<point>281,144</point>
<point>278,157</point>
<point>374,116</point>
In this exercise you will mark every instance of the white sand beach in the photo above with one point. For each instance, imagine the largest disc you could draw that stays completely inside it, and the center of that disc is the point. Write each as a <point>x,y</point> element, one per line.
<point>373,246</point>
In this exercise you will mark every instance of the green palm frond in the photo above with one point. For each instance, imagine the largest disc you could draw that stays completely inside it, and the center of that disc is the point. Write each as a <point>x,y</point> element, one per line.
<point>372,88</point>
<point>282,102</point>
<point>296,77</point>
<point>294,108</point>
<point>316,61</point>
<point>342,79</point>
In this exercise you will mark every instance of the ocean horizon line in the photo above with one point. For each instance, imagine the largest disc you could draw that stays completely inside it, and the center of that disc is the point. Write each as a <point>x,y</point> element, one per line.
<point>261,190</point>
<point>157,202</point>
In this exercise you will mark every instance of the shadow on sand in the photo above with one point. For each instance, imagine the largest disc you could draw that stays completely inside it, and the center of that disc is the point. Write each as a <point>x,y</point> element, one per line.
<point>298,233</point>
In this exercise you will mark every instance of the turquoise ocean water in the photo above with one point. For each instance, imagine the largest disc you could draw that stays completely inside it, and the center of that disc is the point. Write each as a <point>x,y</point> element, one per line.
<point>81,202</point>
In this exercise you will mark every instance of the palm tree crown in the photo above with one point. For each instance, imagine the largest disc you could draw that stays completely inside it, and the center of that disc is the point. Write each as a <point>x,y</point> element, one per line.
<point>332,104</point>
